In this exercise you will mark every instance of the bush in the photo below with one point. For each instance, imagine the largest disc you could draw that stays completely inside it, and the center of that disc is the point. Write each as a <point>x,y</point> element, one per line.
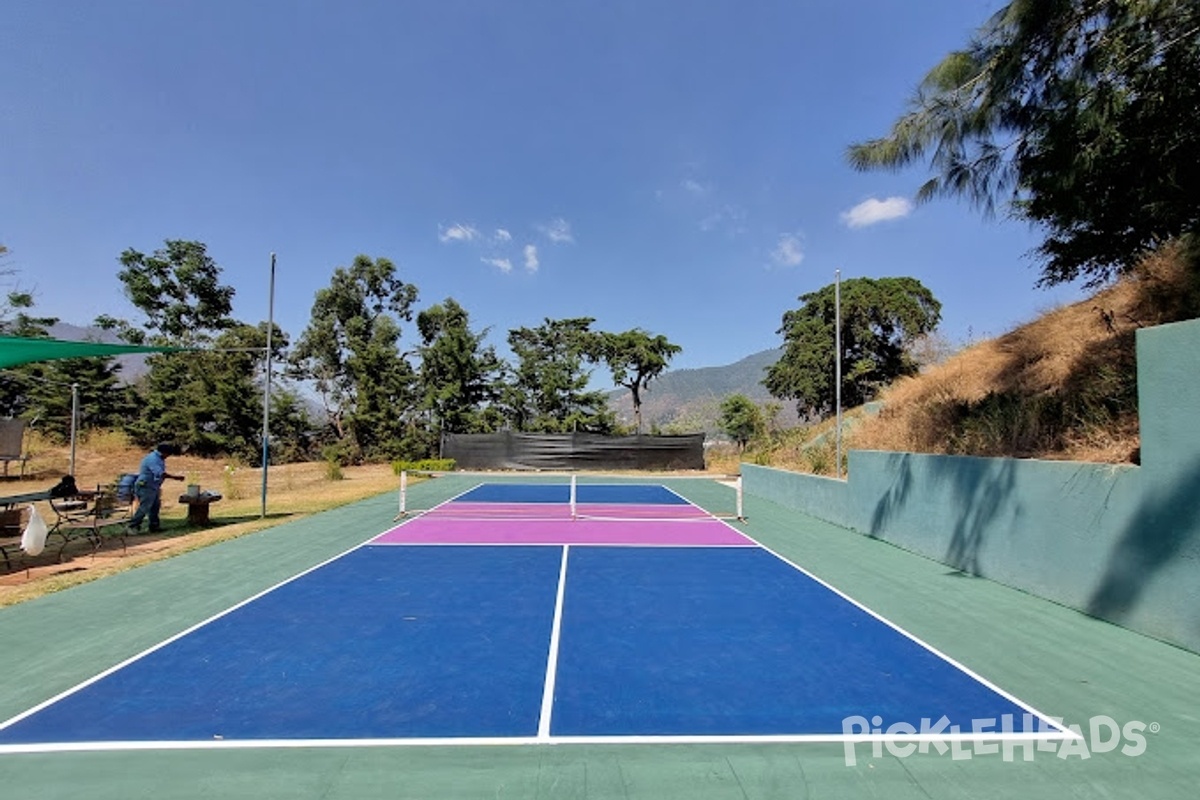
<point>424,465</point>
<point>333,470</point>
<point>335,456</point>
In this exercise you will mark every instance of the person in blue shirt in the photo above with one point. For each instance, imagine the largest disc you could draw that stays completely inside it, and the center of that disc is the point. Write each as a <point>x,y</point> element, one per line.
<point>148,488</point>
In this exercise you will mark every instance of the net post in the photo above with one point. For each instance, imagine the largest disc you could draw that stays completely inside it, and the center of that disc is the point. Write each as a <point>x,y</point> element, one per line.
<point>403,494</point>
<point>573,516</point>
<point>740,509</point>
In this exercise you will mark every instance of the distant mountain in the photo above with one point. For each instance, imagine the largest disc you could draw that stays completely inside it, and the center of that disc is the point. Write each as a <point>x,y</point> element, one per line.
<point>74,333</point>
<point>690,399</point>
<point>132,366</point>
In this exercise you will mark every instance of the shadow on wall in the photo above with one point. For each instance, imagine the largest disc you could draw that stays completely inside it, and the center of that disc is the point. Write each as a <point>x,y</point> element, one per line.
<point>983,488</point>
<point>893,500</point>
<point>1165,521</point>
<point>986,493</point>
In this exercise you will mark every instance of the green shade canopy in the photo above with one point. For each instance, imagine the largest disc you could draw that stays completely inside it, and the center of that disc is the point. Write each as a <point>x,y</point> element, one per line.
<point>15,350</point>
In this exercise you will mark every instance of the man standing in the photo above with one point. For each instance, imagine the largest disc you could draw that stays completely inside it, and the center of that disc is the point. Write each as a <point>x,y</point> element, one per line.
<point>151,474</point>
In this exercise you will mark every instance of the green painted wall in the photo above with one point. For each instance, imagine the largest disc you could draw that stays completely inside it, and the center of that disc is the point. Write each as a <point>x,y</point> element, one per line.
<point>1117,542</point>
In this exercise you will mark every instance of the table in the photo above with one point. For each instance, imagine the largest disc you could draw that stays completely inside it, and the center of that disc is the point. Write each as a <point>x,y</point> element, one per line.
<point>10,511</point>
<point>198,506</point>
<point>22,499</point>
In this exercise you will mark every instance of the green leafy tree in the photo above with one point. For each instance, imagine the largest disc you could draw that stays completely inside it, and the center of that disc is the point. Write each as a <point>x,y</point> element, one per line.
<point>550,392</point>
<point>206,398</point>
<point>458,374</point>
<point>17,383</point>
<point>209,400</point>
<point>104,401</point>
<point>292,429</point>
<point>881,318</point>
<point>350,350</point>
<point>1080,115</point>
<point>15,303</point>
<point>741,419</point>
<point>635,358</point>
<point>178,288</point>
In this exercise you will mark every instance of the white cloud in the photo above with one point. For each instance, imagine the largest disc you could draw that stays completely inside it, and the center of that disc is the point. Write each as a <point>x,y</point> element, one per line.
<point>871,211</point>
<point>694,187</point>
<point>503,264</point>
<point>730,218</point>
<point>557,230</point>
<point>531,258</point>
<point>457,233</point>
<point>503,235</point>
<point>788,252</point>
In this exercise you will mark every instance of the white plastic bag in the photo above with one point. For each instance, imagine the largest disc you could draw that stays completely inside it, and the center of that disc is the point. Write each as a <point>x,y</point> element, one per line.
<point>33,540</point>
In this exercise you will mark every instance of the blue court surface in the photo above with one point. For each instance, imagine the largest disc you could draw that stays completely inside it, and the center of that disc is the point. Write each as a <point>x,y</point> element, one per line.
<point>510,644</point>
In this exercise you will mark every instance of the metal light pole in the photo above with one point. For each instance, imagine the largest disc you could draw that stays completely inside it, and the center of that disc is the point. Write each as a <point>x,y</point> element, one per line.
<point>837,361</point>
<point>74,424</point>
<point>266,434</point>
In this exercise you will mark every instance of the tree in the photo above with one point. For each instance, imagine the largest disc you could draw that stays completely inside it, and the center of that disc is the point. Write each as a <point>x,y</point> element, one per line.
<point>178,289</point>
<point>551,379</point>
<point>741,419</point>
<point>14,305</point>
<point>104,402</point>
<point>292,430</point>
<point>209,400</point>
<point>17,383</point>
<point>635,358</point>
<point>350,350</point>
<point>1077,113</point>
<point>880,319</point>
<point>458,376</point>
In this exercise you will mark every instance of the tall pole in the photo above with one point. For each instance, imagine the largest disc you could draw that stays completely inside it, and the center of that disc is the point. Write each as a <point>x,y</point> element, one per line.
<point>74,423</point>
<point>837,361</point>
<point>266,434</point>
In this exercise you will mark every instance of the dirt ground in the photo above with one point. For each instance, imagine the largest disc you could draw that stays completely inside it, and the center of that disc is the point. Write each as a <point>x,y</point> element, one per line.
<point>294,490</point>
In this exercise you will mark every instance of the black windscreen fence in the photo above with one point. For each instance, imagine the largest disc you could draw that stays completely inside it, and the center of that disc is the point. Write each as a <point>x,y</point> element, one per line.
<point>508,450</point>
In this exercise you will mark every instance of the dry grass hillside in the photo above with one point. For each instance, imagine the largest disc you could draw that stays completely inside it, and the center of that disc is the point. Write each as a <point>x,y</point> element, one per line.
<point>1063,386</point>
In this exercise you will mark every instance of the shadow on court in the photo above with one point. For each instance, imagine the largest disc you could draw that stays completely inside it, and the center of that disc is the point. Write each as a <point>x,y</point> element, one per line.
<point>217,522</point>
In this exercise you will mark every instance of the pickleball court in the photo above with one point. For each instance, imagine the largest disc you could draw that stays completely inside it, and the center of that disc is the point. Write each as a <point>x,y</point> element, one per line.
<point>531,613</point>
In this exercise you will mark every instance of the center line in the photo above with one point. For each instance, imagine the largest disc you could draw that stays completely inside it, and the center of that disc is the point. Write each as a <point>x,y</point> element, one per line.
<point>552,661</point>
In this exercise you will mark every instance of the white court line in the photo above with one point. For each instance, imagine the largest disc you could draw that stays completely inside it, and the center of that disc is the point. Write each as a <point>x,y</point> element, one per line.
<point>917,640</point>
<point>543,737</point>
<point>153,648</point>
<point>409,516</point>
<point>543,734</point>
<point>510,741</point>
<point>749,545</point>
<point>908,635</point>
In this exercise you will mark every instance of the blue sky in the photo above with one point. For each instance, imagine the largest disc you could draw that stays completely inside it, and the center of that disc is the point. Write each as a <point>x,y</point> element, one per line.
<point>674,166</point>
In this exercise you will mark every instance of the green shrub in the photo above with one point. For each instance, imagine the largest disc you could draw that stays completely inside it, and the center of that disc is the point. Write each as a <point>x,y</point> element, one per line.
<point>820,458</point>
<point>335,456</point>
<point>229,484</point>
<point>424,465</point>
<point>333,470</point>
